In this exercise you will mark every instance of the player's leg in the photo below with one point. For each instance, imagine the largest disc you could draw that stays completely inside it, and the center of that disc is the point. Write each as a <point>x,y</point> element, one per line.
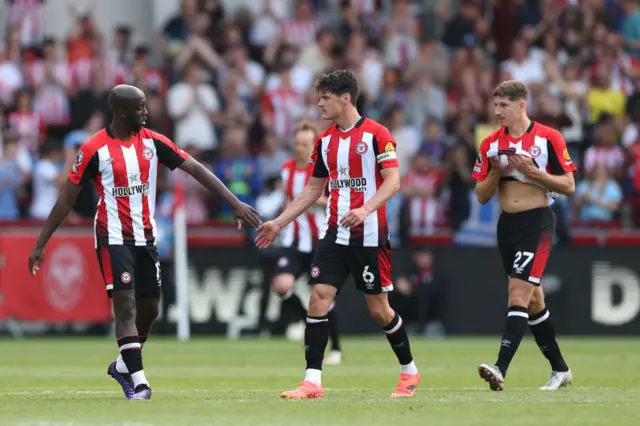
<point>371,270</point>
<point>121,375</point>
<point>328,273</point>
<point>545,335</point>
<point>284,278</point>
<point>148,291</point>
<point>119,264</point>
<point>505,236</point>
<point>533,233</point>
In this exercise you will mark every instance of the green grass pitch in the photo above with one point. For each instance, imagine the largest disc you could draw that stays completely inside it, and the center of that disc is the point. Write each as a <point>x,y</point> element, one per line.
<point>220,382</point>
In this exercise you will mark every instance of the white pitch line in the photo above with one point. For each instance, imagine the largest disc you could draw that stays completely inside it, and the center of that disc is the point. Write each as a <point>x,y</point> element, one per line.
<point>213,391</point>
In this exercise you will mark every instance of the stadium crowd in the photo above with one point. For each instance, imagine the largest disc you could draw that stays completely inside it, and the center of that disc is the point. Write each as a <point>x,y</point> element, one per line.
<point>229,88</point>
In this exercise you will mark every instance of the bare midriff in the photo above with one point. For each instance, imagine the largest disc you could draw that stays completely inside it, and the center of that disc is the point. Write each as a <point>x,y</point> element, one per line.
<point>518,197</point>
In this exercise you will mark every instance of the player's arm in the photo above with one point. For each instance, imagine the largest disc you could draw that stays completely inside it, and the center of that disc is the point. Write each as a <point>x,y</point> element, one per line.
<point>309,195</point>
<point>322,201</point>
<point>486,175</point>
<point>387,159</point>
<point>561,167</point>
<point>390,185</point>
<point>61,209</point>
<point>84,168</point>
<point>173,157</point>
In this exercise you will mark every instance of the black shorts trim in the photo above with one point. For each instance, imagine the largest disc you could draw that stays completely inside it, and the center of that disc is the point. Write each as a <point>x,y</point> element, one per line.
<point>128,267</point>
<point>525,240</point>
<point>370,267</point>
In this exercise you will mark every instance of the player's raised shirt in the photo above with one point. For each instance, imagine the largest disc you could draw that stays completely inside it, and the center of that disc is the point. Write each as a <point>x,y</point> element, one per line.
<point>352,160</point>
<point>125,175</point>
<point>544,145</point>
<point>304,231</point>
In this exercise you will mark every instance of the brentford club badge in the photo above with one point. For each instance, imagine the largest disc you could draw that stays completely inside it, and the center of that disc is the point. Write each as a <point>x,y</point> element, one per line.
<point>125,277</point>
<point>315,271</point>
<point>361,148</point>
<point>534,151</point>
<point>147,153</point>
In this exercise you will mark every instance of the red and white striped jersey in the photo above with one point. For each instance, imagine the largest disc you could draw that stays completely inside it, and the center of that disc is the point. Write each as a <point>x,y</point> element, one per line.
<point>544,145</point>
<point>352,160</point>
<point>303,232</point>
<point>125,175</point>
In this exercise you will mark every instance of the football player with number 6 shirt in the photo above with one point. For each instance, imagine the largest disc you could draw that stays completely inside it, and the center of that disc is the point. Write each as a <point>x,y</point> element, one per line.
<point>528,165</point>
<point>358,158</point>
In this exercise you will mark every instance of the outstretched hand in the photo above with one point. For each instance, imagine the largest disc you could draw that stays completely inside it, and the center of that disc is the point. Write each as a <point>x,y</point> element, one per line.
<point>268,232</point>
<point>246,214</point>
<point>35,259</point>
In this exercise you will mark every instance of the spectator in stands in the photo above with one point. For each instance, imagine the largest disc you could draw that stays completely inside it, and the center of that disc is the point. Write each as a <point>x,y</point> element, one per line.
<point>198,47</point>
<point>237,170</point>
<point>176,31</point>
<point>523,67</point>
<point>461,157</point>
<point>434,143</point>
<point>598,198</point>
<point>27,122</point>
<point>631,28</point>
<point>11,77</point>
<point>51,103</point>
<point>283,107</point>
<point>143,75</point>
<point>425,101</point>
<point>45,180</point>
<point>316,57</point>
<point>10,177</point>
<point>606,150</point>
<point>407,133</point>
<point>271,158</point>
<point>602,98</point>
<point>193,106</point>
<point>85,102</point>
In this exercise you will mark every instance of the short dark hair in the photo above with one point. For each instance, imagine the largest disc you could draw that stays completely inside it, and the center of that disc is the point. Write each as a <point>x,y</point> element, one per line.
<point>511,89</point>
<point>339,82</point>
<point>303,127</point>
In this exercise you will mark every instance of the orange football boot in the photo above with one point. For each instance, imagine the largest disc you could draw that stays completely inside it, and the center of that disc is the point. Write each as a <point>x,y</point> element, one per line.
<point>306,390</point>
<point>406,386</point>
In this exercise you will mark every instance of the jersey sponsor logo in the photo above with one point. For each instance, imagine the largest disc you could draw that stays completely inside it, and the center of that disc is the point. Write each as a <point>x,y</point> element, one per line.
<point>361,148</point>
<point>535,151</point>
<point>479,160</point>
<point>477,169</point>
<point>358,184</point>
<point>76,164</point>
<point>566,155</point>
<point>389,147</point>
<point>147,153</point>
<point>127,191</point>
<point>386,156</point>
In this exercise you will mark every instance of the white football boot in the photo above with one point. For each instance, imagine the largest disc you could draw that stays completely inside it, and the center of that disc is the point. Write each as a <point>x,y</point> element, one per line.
<point>557,380</point>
